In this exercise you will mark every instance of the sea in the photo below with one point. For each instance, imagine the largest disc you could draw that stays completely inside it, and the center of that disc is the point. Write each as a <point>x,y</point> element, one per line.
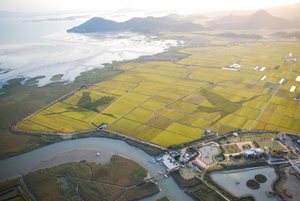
<point>40,46</point>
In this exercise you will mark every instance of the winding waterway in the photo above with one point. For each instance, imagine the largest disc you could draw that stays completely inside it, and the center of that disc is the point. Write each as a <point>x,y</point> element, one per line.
<point>33,160</point>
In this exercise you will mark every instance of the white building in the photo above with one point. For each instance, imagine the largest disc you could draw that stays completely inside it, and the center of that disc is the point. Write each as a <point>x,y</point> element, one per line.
<point>293,89</point>
<point>264,77</point>
<point>170,162</point>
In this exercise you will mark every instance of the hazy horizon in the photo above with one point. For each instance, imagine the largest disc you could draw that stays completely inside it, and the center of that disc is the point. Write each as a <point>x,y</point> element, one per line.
<point>155,5</point>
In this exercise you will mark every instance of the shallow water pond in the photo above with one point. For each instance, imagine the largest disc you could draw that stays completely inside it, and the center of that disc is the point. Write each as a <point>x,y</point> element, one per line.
<point>234,181</point>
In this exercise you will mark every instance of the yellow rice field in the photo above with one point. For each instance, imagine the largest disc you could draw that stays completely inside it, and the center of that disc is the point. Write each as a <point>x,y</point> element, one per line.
<point>171,103</point>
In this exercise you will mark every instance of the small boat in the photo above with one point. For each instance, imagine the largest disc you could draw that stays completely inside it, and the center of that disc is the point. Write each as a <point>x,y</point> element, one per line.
<point>159,172</point>
<point>166,176</point>
<point>98,154</point>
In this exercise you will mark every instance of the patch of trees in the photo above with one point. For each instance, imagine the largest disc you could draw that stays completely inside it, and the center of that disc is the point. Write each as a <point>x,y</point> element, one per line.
<point>234,35</point>
<point>284,34</point>
<point>260,178</point>
<point>251,183</point>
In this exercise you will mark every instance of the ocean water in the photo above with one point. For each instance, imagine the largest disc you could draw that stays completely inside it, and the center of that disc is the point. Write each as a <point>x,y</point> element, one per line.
<point>30,48</point>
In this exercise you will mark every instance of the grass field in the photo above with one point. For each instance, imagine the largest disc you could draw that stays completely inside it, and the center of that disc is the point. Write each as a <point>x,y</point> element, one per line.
<point>229,149</point>
<point>249,137</point>
<point>273,144</point>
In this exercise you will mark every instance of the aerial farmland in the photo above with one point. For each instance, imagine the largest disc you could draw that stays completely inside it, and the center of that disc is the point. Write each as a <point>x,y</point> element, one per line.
<point>222,88</point>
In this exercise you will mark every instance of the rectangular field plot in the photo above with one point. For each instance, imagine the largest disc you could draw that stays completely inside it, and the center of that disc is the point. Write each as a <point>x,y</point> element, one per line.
<point>255,104</point>
<point>80,114</point>
<point>58,122</point>
<point>73,100</point>
<point>247,112</point>
<point>108,91</point>
<point>160,122</point>
<point>167,138</point>
<point>180,90</point>
<point>134,98</point>
<point>103,118</point>
<point>140,115</point>
<point>116,85</point>
<point>87,98</point>
<point>161,79</point>
<point>125,104</point>
<point>228,100</point>
<point>119,109</point>
<point>212,75</point>
<point>286,122</point>
<point>155,103</point>
<point>259,125</point>
<point>135,129</point>
<point>196,50</point>
<point>246,86</point>
<point>186,131</point>
<point>149,88</point>
<point>205,109</point>
<point>126,127</point>
<point>281,101</point>
<point>148,133</point>
<point>286,102</point>
<point>168,96</point>
<point>292,112</point>
<point>31,126</point>
<point>236,121</point>
<point>185,70</point>
<point>194,99</point>
<point>204,62</point>
<point>72,111</point>
<point>130,77</point>
<point>91,100</point>
<point>189,83</point>
<point>250,75</point>
<point>157,71</point>
<point>185,119</point>
<point>196,122</point>
<point>59,107</point>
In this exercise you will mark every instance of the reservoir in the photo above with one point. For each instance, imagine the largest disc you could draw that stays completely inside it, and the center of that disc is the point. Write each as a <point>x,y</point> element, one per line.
<point>44,157</point>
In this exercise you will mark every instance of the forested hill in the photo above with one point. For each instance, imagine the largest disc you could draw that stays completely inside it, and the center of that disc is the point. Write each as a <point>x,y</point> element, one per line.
<point>145,25</point>
<point>258,20</point>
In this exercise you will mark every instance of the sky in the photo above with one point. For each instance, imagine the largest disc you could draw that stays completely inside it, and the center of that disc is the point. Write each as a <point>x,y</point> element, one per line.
<point>149,5</point>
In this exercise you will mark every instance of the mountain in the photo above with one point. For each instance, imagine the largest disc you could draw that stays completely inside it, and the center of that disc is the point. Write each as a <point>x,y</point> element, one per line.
<point>145,25</point>
<point>258,20</point>
<point>96,24</point>
<point>289,12</point>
